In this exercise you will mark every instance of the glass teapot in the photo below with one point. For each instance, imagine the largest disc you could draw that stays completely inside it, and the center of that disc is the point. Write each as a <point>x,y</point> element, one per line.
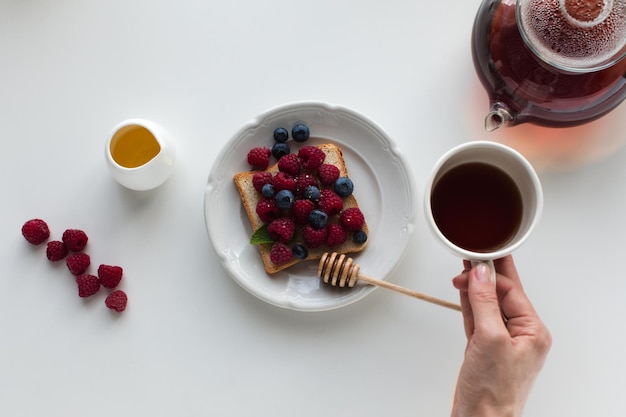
<point>550,62</point>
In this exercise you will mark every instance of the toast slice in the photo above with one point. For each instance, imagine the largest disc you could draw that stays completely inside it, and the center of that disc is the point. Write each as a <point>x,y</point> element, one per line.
<point>250,197</point>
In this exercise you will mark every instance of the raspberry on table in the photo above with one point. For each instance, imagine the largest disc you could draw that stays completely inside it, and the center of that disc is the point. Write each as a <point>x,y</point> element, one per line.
<point>267,210</point>
<point>259,179</point>
<point>290,164</point>
<point>280,253</point>
<point>328,174</point>
<point>117,301</point>
<point>35,231</point>
<point>284,181</point>
<point>110,275</point>
<point>56,251</point>
<point>330,202</point>
<point>352,219</point>
<point>88,285</point>
<point>282,229</point>
<point>312,157</point>
<point>259,157</point>
<point>78,263</point>
<point>75,239</point>
<point>337,235</point>
<point>314,237</point>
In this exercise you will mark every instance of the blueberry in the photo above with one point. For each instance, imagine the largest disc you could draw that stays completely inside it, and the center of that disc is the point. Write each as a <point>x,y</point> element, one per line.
<point>300,133</point>
<point>299,251</point>
<point>281,135</point>
<point>312,193</point>
<point>344,186</point>
<point>317,218</point>
<point>280,149</point>
<point>284,199</point>
<point>268,191</point>
<point>359,237</point>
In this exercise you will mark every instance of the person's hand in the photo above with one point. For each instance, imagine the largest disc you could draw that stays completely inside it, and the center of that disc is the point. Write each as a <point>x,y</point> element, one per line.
<point>507,343</point>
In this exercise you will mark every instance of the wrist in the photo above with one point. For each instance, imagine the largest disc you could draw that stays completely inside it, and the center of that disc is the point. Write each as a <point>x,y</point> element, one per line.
<point>486,411</point>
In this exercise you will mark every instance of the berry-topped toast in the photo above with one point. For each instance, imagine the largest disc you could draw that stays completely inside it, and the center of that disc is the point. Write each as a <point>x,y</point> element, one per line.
<point>301,206</point>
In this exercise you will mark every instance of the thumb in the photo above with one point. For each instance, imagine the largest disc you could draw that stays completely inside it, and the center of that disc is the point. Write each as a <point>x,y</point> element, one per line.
<point>484,300</point>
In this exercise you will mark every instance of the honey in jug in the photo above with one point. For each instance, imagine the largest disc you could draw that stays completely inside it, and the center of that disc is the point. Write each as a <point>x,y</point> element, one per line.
<point>134,146</point>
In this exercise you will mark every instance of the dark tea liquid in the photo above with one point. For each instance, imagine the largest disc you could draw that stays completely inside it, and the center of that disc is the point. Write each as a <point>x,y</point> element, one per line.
<point>513,75</point>
<point>477,206</point>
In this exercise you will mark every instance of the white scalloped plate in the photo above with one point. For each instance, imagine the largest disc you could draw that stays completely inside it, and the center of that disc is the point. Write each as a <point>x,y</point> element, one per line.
<point>384,188</point>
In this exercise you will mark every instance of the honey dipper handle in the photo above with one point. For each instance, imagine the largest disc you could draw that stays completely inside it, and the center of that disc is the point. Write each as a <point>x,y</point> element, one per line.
<point>406,291</point>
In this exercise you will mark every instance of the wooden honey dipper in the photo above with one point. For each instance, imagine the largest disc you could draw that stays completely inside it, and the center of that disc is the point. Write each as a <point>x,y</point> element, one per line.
<point>339,270</point>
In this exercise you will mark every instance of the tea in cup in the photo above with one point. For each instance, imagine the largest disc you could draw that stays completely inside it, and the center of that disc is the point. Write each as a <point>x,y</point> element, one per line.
<point>482,201</point>
<point>140,154</point>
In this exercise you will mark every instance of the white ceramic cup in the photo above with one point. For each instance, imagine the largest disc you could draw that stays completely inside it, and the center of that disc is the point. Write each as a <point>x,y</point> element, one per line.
<point>517,168</point>
<point>139,154</point>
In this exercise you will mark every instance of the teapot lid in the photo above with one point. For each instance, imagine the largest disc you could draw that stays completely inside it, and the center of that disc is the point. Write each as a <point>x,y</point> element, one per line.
<point>574,35</point>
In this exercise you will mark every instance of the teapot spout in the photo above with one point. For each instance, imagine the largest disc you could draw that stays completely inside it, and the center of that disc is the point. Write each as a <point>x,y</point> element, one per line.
<point>498,115</point>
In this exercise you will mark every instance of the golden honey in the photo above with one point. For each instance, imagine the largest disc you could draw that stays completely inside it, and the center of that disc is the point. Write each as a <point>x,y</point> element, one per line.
<point>133,146</point>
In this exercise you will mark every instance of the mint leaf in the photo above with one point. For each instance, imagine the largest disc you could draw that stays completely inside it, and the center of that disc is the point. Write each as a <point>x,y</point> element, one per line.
<point>261,235</point>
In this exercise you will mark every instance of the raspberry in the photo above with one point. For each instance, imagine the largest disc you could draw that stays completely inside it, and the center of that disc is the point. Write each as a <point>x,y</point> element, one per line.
<point>56,250</point>
<point>284,181</point>
<point>330,202</point>
<point>110,276</point>
<point>301,209</point>
<point>267,210</point>
<point>352,219</point>
<point>88,285</point>
<point>75,239</point>
<point>259,157</point>
<point>78,263</point>
<point>304,180</point>
<point>117,301</point>
<point>311,156</point>
<point>290,164</point>
<point>328,174</point>
<point>35,231</point>
<point>259,179</point>
<point>282,229</point>
<point>280,253</point>
<point>314,237</point>
<point>336,235</point>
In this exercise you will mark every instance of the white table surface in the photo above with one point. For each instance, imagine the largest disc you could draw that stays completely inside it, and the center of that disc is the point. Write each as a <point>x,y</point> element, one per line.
<point>192,342</point>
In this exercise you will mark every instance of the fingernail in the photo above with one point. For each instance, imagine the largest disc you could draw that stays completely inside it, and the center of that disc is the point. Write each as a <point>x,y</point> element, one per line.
<point>483,274</point>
